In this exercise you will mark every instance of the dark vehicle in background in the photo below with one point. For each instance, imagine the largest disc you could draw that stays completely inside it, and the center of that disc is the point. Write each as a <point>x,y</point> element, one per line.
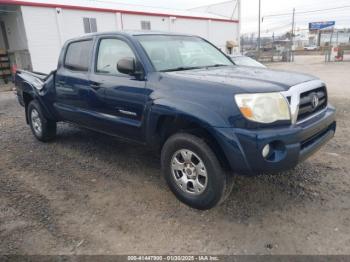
<point>241,60</point>
<point>183,97</point>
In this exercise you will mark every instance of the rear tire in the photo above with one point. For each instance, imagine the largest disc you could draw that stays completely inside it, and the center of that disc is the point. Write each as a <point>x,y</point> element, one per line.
<point>42,128</point>
<point>193,172</point>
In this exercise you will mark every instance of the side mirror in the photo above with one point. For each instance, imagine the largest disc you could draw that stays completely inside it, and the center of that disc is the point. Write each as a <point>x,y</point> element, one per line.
<point>127,66</point>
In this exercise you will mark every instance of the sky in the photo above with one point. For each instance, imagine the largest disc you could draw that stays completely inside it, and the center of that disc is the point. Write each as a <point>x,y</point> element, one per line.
<point>277,24</point>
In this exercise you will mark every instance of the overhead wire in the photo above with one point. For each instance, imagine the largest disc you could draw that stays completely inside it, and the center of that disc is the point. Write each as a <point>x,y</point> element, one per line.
<point>308,12</point>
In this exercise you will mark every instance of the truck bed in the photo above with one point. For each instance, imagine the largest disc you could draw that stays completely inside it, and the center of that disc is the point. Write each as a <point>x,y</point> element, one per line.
<point>35,79</point>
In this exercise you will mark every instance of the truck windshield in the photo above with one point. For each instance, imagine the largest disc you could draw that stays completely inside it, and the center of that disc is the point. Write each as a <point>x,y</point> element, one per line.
<point>177,53</point>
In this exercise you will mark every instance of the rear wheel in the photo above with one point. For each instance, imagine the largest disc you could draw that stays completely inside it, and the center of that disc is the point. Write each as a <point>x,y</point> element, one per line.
<point>193,172</point>
<point>42,128</point>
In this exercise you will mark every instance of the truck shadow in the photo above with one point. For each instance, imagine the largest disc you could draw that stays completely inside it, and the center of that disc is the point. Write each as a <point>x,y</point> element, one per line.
<point>251,197</point>
<point>254,197</point>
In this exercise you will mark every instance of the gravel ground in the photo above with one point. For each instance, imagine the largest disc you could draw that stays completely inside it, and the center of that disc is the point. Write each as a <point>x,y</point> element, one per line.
<point>86,193</point>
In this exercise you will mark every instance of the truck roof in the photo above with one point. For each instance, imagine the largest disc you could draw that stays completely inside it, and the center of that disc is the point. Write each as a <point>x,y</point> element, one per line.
<point>128,33</point>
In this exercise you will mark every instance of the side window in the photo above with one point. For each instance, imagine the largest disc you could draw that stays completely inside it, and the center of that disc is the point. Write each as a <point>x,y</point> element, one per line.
<point>110,51</point>
<point>78,55</point>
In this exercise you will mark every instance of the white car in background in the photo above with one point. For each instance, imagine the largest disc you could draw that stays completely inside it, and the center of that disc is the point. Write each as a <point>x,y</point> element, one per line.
<point>310,48</point>
<point>241,60</point>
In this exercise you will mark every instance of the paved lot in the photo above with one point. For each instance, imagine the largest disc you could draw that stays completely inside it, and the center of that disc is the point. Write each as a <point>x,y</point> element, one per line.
<point>86,193</point>
<point>335,74</point>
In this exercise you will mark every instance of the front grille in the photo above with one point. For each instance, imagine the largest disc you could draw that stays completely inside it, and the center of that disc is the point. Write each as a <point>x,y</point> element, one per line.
<point>307,105</point>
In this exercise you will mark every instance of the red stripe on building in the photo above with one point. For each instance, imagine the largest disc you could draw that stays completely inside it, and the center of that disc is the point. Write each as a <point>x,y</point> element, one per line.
<point>97,9</point>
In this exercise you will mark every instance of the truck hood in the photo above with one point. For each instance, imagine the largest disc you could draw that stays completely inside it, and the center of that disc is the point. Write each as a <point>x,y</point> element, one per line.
<point>247,79</point>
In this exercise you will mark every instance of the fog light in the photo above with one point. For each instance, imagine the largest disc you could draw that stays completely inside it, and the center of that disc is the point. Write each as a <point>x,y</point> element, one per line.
<point>266,151</point>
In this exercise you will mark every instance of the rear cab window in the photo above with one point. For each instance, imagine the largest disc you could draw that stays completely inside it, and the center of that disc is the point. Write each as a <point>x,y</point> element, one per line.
<point>78,55</point>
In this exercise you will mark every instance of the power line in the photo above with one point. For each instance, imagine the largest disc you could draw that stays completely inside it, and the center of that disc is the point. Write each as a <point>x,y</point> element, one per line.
<point>278,17</point>
<point>310,11</point>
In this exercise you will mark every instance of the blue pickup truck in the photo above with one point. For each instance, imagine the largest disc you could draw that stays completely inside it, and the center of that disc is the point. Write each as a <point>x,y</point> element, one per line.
<point>182,96</point>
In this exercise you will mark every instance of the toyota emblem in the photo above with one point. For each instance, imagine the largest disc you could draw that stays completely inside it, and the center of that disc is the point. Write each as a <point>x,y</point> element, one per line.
<point>314,101</point>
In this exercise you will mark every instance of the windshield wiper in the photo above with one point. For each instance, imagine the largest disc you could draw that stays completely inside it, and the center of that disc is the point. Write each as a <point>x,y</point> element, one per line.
<point>216,65</point>
<point>181,68</point>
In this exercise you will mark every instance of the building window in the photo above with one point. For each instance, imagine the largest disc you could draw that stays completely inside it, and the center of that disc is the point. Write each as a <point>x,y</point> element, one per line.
<point>145,25</point>
<point>90,25</point>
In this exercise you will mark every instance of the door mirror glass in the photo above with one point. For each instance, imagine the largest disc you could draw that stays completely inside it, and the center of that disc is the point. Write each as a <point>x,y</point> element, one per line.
<point>126,65</point>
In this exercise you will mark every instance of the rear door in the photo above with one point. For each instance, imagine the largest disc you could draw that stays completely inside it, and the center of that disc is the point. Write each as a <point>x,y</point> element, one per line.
<point>73,90</point>
<point>125,97</point>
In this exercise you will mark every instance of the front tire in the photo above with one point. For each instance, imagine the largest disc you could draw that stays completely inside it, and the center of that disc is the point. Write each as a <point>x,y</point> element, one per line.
<point>42,128</point>
<point>193,172</point>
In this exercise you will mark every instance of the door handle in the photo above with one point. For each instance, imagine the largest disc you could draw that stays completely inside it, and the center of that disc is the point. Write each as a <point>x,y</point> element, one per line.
<point>95,86</point>
<point>126,112</point>
<point>61,82</point>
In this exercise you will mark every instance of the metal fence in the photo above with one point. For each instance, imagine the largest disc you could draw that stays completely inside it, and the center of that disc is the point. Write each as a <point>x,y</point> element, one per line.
<point>272,50</point>
<point>340,53</point>
<point>282,49</point>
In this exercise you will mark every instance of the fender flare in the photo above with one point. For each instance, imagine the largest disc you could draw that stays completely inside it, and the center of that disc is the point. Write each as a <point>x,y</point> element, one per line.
<point>34,93</point>
<point>181,109</point>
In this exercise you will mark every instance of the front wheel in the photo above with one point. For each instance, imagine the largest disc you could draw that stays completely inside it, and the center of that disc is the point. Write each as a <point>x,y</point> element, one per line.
<point>43,129</point>
<point>193,172</point>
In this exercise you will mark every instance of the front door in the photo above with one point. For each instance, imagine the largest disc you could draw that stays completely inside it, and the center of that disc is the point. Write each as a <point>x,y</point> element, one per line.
<point>125,97</point>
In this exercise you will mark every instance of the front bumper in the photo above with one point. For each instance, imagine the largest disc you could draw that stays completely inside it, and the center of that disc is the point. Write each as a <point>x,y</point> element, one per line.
<point>290,145</point>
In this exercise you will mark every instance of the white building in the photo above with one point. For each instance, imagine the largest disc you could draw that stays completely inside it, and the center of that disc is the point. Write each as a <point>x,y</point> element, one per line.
<point>33,31</point>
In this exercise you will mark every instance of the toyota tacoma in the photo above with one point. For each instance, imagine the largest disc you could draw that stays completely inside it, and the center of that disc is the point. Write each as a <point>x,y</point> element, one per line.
<point>182,96</point>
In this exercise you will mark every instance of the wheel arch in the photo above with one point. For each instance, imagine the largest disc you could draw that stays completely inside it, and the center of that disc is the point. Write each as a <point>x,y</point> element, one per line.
<point>29,94</point>
<point>27,98</point>
<point>168,125</point>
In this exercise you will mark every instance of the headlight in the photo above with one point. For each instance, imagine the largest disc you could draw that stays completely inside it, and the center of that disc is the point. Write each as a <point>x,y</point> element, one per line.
<point>264,107</point>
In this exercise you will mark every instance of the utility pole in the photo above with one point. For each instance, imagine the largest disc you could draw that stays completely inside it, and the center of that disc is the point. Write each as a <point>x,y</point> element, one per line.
<point>273,45</point>
<point>239,10</point>
<point>292,37</point>
<point>330,46</point>
<point>259,34</point>
<point>337,37</point>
